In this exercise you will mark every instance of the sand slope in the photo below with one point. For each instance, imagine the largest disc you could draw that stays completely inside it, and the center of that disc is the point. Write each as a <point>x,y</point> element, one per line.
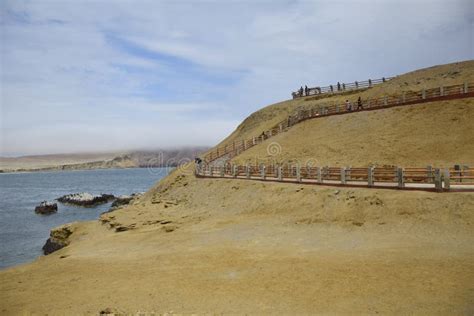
<point>236,246</point>
<point>436,133</point>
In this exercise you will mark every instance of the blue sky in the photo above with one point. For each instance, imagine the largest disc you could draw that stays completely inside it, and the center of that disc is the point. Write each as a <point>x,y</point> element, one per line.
<point>114,75</point>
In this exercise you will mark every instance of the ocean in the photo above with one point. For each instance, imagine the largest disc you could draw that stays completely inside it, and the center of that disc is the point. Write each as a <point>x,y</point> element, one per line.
<point>23,233</point>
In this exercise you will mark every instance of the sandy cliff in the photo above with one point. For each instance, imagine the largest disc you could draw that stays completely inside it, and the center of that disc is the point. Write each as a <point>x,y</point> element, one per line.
<point>237,246</point>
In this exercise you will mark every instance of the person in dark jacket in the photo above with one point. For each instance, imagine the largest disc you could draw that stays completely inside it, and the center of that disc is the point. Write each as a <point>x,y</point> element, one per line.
<point>359,104</point>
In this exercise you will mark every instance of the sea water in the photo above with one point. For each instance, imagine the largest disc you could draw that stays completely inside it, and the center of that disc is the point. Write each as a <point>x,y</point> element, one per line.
<point>23,233</point>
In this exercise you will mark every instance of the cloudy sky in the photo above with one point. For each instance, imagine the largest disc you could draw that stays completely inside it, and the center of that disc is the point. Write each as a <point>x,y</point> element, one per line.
<point>107,75</point>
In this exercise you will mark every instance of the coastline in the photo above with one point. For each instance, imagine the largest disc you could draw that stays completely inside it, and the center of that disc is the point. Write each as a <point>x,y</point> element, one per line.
<point>24,233</point>
<point>198,254</point>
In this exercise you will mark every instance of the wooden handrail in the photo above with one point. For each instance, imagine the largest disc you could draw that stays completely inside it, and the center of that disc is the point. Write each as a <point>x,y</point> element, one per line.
<point>406,98</point>
<point>433,179</point>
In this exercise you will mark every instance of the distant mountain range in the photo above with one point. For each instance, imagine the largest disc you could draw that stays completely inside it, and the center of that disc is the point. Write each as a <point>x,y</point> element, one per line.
<point>84,161</point>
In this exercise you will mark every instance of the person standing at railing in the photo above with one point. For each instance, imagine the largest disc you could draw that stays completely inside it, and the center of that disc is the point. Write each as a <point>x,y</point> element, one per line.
<point>359,104</point>
<point>306,90</point>
<point>301,91</point>
<point>338,86</point>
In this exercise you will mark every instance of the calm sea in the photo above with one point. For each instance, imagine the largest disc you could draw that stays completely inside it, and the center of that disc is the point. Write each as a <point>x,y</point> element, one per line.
<point>23,233</point>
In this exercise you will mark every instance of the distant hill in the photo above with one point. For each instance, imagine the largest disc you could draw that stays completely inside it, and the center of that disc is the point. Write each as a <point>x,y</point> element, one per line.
<point>132,159</point>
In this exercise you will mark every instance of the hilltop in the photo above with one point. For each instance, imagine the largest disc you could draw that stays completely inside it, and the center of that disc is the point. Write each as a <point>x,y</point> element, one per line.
<point>193,245</point>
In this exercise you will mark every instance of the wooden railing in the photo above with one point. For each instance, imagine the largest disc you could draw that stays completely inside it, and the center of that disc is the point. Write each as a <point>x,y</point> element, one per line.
<point>339,87</point>
<point>322,110</point>
<point>458,178</point>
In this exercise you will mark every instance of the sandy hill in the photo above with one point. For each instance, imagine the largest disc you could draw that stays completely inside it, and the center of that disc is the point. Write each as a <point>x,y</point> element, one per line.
<point>234,246</point>
<point>433,77</point>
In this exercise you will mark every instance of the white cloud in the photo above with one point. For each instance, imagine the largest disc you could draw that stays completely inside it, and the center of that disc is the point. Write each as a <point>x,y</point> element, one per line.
<point>64,82</point>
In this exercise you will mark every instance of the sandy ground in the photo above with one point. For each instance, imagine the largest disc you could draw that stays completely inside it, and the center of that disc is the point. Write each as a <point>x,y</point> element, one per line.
<point>235,246</point>
<point>272,248</point>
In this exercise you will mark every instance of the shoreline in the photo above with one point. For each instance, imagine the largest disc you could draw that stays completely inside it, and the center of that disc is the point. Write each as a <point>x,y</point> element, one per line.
<point>21,200</point>
<point>75,170</point>
<point>318,255</point>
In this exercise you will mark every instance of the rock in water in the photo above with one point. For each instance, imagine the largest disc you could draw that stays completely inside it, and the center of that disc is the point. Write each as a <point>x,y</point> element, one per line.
<point>85,199</point>
<point>46,208</point>
<point>58,238</point>
<point>123,200</point>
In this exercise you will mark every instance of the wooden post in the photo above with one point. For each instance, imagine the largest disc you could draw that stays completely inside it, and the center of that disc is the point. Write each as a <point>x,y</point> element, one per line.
<point>437,180</point>
<point>370,177</point>
<point>222,169</point>
<point>385,101</point>
<point>465,87</point>
<point>245,144</point>
<point>404,97</point>
<point>263,172</point>
<point>368,103</point>
<point>298,173</point>
<point>343,175</point>
<point>247,172</point>
<point>281,127</point>
<point>280,173</point>
<point>337,108</point>
<point>429,173</point>
<point>447,179</point>
<point>423,94</point>
<point>401,177</point>
<point>234,171</point>
<point>318,175</point>
<point>441,91</point>
<point>254,141</point>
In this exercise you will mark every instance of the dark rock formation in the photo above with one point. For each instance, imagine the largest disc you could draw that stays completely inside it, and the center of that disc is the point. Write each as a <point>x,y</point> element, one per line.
<point>58,238</point>
<point>123,200</point>
<point>85,199</point>
<point>46,208</point>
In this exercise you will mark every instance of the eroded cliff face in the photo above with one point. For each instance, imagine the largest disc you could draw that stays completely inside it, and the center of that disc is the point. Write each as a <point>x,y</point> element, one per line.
<point>58,238</point>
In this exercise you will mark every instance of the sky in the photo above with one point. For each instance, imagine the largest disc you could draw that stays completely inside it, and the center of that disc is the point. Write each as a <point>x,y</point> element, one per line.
<point>83,76</point>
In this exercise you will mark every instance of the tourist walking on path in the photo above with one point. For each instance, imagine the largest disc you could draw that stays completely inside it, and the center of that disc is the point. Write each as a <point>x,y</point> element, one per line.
<point>348,106</point>
<point>359,104</point>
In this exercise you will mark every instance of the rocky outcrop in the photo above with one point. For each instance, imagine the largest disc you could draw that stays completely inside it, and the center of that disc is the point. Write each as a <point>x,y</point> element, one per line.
<point>85,199</point>
<point>58,238</point>
<point>123,200</point>
<point>46,208</point>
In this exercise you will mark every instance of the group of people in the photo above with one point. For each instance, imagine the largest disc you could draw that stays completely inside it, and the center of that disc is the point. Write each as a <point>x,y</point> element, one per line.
<point>305,91</point>
<point>350,107</point>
